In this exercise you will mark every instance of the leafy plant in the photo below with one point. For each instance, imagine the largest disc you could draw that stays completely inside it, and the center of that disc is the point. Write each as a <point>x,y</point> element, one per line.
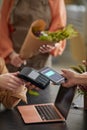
<point>80,69</point>
<point>66,33</point>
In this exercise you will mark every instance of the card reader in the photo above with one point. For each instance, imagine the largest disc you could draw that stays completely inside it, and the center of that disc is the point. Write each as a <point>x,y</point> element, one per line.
<point>31,75</point>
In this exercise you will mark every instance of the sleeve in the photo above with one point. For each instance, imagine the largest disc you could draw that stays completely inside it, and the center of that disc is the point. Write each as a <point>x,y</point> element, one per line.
<point>5,41</point>
<point>58,13</point>
<point>3,68</point>
<point>8,98</point>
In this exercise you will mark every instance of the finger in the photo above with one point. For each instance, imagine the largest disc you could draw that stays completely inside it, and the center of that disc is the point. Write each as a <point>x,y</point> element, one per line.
<point>11,87</point>
<point>46,49</point>
<point>42,48</point>
<point>64,70</point>
<point>50,47</point>
<point>28,85</point>
<point>14,79</point>
<point>17,61</point>
<point>37,88</point>
<point>43,51</point>
<point>15,73</point>
<point>32,86</point>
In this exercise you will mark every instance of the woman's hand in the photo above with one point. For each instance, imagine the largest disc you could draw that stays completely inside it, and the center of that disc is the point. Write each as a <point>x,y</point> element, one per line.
<point>15,59</point>
<point>46,48</point>
<point>54,49</point>
<point>10,81</point>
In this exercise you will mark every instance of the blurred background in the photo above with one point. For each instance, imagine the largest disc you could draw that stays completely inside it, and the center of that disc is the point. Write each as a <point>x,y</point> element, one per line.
<point>75,50</point>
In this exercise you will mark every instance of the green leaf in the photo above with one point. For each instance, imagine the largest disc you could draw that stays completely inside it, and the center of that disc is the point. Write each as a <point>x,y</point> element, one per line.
<point>76,69</point>
<point>67,33</point>
<point>80,92</point>
<point>82,67</point>
<point>33,92</point>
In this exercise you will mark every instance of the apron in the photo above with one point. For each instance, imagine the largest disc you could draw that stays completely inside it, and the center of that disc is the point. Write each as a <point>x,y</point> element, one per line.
<point>23,14</point>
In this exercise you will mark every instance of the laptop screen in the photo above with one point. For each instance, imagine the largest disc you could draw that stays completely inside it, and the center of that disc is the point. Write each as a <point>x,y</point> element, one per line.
<point>64,99</point>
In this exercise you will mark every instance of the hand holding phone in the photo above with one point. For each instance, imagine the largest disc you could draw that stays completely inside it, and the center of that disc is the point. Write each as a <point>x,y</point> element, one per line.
<point>52,75</point>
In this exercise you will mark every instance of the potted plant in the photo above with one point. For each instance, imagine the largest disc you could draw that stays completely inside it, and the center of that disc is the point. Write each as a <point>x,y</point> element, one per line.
<point>82,90</point>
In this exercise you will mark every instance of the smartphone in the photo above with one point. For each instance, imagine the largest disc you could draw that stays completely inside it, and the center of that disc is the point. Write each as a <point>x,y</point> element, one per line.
<point>31,75</point>
<point>53,75</point>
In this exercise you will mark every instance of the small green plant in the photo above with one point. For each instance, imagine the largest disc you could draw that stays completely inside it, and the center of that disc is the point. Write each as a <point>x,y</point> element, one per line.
<point>66,33</point>
<point>82,90</point>
<point>79,68</point>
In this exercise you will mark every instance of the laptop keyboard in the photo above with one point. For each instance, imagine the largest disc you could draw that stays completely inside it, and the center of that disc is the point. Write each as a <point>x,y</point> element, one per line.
<point>47,112</point>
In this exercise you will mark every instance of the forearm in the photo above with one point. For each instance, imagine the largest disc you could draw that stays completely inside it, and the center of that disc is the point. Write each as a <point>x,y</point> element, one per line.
<point>81,79</point>
<point>5,45</point>
<point>58,13</point>
<point>5,41</point>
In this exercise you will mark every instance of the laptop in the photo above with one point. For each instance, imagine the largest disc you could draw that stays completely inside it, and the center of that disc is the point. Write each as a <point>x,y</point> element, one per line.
<point>49,112</point>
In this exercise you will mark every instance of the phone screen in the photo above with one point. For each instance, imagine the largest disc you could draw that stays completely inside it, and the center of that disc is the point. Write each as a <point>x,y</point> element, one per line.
<point>52,75</point>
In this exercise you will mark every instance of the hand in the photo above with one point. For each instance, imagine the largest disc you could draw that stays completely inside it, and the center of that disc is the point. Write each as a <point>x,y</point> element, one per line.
<point>46,48</point>
<point>70,76</point>
<point>15,59</point>
<point>9,81</point>
<point>31,86</point>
